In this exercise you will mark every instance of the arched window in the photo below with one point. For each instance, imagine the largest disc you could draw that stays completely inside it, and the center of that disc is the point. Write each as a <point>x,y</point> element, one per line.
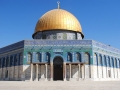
<point>29,57</point>
<point>115,63</point>
<point>69,57</point>
<point>21,58</point>
<point>87,58</point>
<point>64,36</point>
<point>105,61</point>
<point>95,58</point>
<point>4,62</point>
<point>0,63</point>
<point>16,59</point>
<point>87,61</point>
<point>48,57</point>
<point>109,61</point>
<point>44,36</point>
<point>38,56</point>
<point>7,61</point>
<point>112,62</point>
<point>11,60</point>
<point>119,63</point>
<point>78,57</point>
<point>100,60</point>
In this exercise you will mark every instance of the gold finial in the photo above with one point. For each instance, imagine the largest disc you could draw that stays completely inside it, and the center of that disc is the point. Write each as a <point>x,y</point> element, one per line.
<point>58,4</point>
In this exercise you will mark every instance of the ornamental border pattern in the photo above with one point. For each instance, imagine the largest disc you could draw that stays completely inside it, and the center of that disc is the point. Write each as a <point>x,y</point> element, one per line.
<point>78,43</point>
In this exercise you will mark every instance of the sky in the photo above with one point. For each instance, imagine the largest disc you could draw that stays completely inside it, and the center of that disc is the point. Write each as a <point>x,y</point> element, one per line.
<point>100,19</point>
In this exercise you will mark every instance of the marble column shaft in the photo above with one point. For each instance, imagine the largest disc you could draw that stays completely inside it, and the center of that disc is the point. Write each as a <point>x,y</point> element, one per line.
<point>31,72</point>
<point>64,71</point>
<point>36,72</point>
<point>70,71</point>
<point>46,71</point>
<point>51,64</point>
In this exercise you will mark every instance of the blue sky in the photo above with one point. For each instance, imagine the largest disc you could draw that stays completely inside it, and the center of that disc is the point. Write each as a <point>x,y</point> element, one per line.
<point>100,19</point>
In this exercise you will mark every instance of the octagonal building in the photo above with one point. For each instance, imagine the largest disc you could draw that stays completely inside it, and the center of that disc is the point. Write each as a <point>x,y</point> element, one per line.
<point>58,52</point>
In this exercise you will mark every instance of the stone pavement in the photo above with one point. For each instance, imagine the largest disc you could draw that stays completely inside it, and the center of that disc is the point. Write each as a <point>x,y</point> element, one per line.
<point>60,85</point>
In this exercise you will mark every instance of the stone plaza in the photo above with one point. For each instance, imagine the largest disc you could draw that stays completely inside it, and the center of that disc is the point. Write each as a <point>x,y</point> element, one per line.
<point>60,85</point>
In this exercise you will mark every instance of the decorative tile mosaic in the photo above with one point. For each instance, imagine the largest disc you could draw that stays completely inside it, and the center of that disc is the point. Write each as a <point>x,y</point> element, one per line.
<point>12,47</point>
<point>57,43</point>
<point>60,34</point>
<point>104,46</point>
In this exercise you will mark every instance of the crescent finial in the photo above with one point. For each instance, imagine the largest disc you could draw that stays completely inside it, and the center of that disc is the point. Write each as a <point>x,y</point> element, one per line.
<point>58,4</point>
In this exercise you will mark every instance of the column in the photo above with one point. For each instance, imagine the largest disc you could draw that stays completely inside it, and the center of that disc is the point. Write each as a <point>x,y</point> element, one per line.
<point>51,64</point>
<point>5,68</point>
<point>2,69</point>
<point>39,72</point>
<point>84,72</point>
<point>36,72</point>
<point>70,71</point>
<point>64,71</point>
<point>46,72</point>
<point>31,72</point>
<point>13,68</point>
<point>9,68</point>
<point>79,72</point>
<point>17,66</point>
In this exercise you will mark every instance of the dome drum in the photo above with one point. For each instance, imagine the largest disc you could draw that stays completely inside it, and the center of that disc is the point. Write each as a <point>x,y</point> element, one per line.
<point>58,34</point>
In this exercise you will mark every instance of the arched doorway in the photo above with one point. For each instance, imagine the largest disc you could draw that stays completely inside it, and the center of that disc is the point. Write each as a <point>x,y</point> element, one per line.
<point>58,68</point>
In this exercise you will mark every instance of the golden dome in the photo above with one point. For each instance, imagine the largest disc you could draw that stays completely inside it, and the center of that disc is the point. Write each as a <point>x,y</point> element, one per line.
<point>58,19</point>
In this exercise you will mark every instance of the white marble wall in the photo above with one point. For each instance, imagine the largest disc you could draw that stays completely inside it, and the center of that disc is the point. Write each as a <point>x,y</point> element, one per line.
<point>96,73</point>
<point>16,70</point>
<point>105,73</point>
<point>42,71</point>
<point>100,71</point>
<point>82,72</point>
<point>67,72</point>
<point>48,72</point>
<point>11,73</point>
<point>0,73</point>
<point>115,71</point>
<point>118,73</point>
<point>112,73</point>
<point>87,72</point>
<point>27,70</point>
<point>74,74</point>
